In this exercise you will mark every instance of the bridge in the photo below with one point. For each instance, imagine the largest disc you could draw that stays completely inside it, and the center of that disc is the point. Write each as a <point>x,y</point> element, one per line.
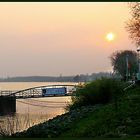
<point>8,98</point>
<point>35,92</point>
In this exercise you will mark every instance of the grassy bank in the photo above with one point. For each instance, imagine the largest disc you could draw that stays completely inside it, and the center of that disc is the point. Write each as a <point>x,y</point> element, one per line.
<point>99,109</point>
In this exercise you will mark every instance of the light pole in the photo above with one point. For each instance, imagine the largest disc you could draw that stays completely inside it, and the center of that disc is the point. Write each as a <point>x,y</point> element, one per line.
<point>127,67</point>
<point>138,74</point>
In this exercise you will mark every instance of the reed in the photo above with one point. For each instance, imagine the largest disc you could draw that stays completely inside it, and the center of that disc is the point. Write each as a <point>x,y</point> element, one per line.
<point>17,123</point>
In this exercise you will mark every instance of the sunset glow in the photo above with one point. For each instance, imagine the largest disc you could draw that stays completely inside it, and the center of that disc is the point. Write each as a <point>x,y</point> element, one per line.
<point>67,38</point>
<point>110,36</point>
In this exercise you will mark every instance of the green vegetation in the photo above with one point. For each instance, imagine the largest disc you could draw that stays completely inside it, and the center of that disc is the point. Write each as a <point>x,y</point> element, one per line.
<point>101,91</point>
<point>99,109</point>
<point>111,123</point>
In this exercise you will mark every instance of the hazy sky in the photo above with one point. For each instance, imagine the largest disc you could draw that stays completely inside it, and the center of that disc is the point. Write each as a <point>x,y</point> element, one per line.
<point>60,38</point>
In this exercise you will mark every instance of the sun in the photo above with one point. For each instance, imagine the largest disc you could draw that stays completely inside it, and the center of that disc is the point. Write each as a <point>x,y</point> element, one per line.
<point>110,36</point>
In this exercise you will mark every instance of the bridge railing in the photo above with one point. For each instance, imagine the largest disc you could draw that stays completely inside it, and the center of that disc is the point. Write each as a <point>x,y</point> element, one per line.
<point>6,92</point>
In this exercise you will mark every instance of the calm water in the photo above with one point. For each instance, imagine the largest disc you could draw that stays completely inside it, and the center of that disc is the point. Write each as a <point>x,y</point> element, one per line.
<point>33,110</point>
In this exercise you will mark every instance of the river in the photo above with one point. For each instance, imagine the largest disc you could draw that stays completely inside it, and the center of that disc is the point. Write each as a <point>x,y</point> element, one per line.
<point>32,111</point>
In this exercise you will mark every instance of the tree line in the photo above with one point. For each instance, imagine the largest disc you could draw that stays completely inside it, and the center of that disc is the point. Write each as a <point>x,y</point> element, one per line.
<point>75,78</point>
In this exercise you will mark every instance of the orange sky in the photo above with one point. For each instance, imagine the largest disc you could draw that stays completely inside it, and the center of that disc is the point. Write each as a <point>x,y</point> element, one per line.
<point>60,38</point>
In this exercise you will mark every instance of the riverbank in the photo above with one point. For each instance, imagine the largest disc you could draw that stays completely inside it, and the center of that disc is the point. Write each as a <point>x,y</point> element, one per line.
<point>99,120</point>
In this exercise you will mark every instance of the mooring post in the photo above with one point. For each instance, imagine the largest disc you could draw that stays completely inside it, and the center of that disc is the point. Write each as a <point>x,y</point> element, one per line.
<point>7,105</point>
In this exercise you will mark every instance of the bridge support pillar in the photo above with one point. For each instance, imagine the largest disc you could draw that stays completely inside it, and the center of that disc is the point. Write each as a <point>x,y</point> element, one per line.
<point>7,105</point>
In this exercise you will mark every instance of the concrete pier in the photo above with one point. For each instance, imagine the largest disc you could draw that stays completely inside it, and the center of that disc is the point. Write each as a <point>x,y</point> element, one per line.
<point>7,105</point>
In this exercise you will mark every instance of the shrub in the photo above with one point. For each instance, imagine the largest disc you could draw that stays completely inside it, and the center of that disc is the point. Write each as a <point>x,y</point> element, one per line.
<point>101,91</point>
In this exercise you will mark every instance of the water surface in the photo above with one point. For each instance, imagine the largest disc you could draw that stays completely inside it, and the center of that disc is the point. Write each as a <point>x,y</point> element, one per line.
<point>33,110</point>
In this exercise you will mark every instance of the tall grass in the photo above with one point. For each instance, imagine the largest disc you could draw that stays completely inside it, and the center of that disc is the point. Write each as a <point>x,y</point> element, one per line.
<point>12,124</point>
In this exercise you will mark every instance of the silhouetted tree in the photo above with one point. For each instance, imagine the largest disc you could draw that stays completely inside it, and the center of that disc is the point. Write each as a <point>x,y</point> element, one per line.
<point>133,25</point>
<point>119,62</point>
